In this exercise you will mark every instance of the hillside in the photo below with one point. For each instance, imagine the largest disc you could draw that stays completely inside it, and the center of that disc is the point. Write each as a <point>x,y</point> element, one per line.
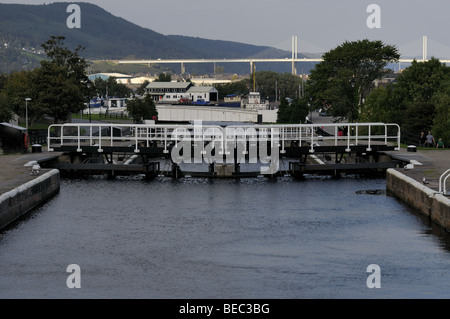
<point>23,28</point>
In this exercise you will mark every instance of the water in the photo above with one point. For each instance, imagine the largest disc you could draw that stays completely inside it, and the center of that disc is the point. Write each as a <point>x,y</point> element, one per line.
<point>200,238</point>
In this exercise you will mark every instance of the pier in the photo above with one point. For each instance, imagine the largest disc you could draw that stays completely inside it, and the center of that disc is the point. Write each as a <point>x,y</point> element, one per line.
<point>152,150</point>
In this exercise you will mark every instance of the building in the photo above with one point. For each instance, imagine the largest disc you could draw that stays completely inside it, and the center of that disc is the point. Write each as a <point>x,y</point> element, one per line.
<point>168,92</point>
<point>185,92</point>
<point>203,95</point>
<point>135,80</point>
<point>105,76</point>
<point>208,81</point>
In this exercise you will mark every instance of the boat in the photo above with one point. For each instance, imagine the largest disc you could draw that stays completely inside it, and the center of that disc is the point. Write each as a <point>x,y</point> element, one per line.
<point>253,100</point>
<point>232,100</point>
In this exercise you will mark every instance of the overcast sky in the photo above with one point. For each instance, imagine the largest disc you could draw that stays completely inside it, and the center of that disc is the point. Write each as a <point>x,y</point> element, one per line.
<point>320,25</point>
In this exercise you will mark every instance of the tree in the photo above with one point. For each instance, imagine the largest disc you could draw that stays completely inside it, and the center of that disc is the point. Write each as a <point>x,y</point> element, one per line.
<point>268,83</point>
<point>417,101</point>
<point>345,76</point>
<point>418,117</point>
<point>294,112</point>
<point>299,111</point>
<point>420,81</point>
<point>61,82</point>
<point>5,109</point>
<point>3,80</point>
<point>142,87</point>
<point>71,61</point>
<point>384,104</point>
<point>18,87</point>
<point>284,112</point>
<point>239,88</point>
<point>110,87</point>
<point>142,109</point>
<point>441,123</point>
<point>163,77</point>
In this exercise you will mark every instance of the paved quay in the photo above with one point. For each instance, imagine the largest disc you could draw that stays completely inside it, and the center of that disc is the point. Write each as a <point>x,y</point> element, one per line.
<point>429,164</point>
<point>14,173</point>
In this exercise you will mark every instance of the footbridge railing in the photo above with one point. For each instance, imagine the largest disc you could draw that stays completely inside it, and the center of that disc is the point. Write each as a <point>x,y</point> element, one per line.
<point>443,182</point>
<point>135,136</point>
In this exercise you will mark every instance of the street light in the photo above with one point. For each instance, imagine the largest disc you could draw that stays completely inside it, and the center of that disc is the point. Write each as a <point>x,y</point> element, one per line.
<point>352,82</point>
<point>26,121</point>
<point>88,86</point>
<point>26,113</point>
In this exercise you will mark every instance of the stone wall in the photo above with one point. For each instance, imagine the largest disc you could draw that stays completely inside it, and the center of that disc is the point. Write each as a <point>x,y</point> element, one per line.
<point>24,198</point>
<point>428,202</point>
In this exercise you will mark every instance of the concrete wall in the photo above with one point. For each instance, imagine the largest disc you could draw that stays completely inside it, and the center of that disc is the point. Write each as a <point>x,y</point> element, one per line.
<point>269,116</point>
<point>20,200</point>
<point>213,114</point>
<point>216,114</point>
<point>428,202</point>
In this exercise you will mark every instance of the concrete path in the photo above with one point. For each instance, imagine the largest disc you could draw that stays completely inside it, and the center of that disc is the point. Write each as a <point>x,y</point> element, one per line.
<point>429,164</point>
<point>13,173</point>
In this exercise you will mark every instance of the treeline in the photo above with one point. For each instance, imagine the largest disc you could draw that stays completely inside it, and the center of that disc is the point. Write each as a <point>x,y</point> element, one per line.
<point>419,101</point>
<point>56,89</point>
<point>271,85</point>
<point>343,84</point>
<point>285,88</point>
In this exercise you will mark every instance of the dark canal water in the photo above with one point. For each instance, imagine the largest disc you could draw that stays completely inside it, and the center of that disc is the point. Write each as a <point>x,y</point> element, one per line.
<point>200,238</point>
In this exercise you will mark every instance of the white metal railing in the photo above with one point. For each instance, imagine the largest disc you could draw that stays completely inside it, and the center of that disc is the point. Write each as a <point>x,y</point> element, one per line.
<point>102,135</point>
<point>443,182</point>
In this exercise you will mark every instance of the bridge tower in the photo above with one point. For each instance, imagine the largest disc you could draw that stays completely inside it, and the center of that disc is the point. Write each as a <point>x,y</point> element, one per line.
<point>425,48</point>
<point>294,53</point>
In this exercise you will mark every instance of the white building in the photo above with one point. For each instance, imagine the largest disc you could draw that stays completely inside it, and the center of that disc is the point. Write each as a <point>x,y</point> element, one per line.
<point>208,81</point>
<point>174,92</point>
<point>168,92</point>
<point>136,80</point>
<point>105,76</point>
<point>203,95</point>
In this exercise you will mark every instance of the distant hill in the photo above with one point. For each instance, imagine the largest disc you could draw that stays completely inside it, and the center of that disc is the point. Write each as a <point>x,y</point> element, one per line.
<point>23,28</point>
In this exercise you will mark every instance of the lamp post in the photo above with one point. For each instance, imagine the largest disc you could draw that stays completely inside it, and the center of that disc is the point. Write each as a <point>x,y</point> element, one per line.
<point>88,86</point>
<point>26,121</point>
<point>26,113</point>
<point>352,82</point>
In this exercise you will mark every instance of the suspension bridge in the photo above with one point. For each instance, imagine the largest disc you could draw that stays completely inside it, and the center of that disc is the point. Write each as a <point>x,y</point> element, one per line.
<point>272,55</point>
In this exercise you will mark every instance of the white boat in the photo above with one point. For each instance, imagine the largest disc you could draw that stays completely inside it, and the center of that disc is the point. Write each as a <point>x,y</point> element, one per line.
<point>253,102</point>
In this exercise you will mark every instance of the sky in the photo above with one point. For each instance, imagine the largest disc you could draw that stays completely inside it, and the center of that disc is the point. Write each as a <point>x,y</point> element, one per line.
<point>320,25</point>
